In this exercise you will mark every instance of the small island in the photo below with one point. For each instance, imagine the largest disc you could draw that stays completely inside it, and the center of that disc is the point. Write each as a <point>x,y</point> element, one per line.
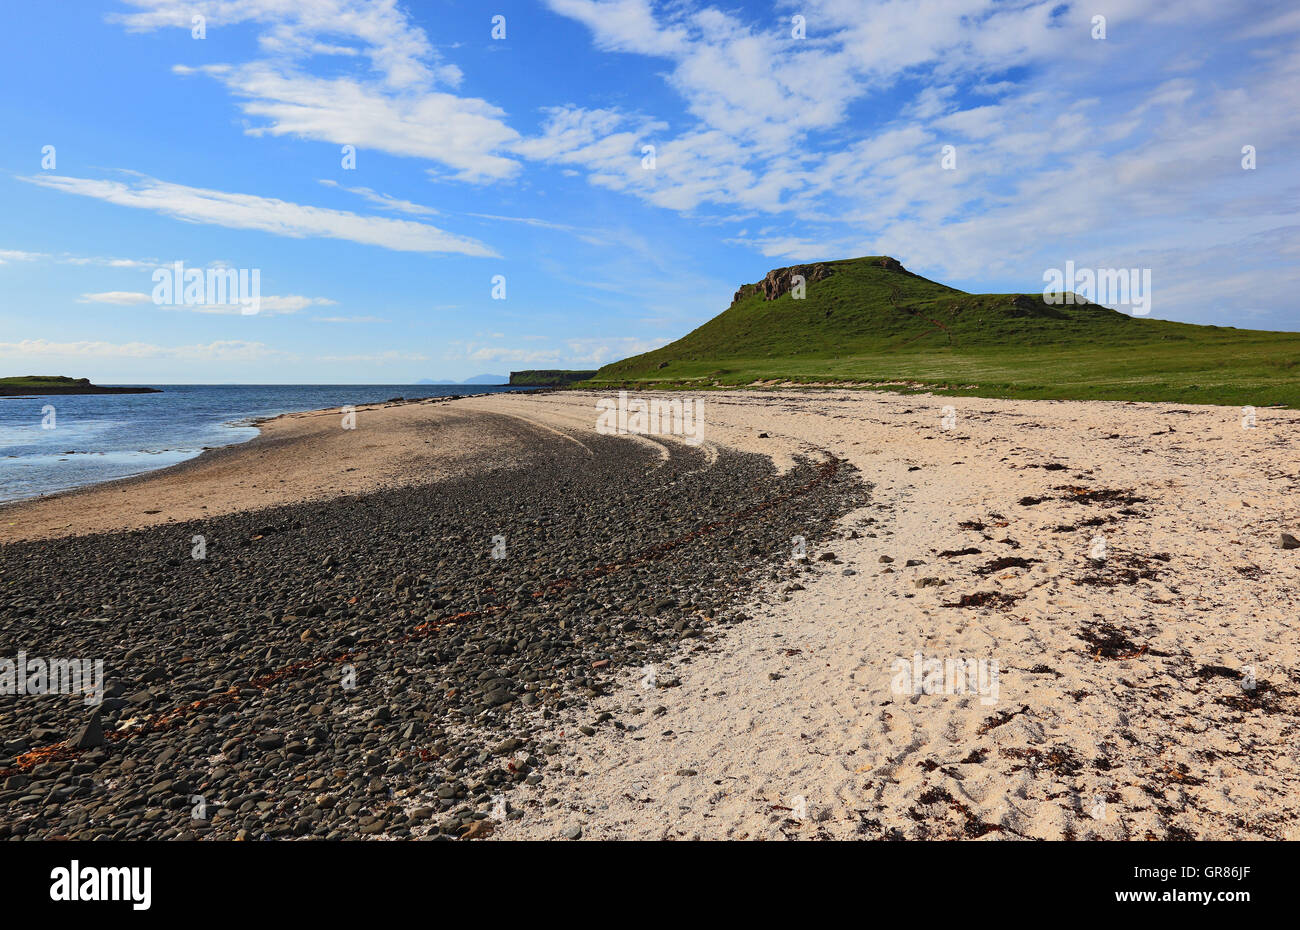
<point>36,385</point>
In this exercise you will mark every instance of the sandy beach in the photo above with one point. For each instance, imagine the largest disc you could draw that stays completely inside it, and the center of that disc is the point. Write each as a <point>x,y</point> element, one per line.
<point>1114,571</point>
<point>1124,709</point>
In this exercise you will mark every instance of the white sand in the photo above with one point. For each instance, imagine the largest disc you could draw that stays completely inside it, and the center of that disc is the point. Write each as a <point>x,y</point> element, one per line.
<point>1105,748</point>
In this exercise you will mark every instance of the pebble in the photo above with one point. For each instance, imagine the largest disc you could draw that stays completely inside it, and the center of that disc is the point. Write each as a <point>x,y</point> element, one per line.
<point>427,666</point>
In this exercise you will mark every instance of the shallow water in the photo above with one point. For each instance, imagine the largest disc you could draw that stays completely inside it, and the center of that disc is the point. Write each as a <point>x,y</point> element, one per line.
<point>88,438</point>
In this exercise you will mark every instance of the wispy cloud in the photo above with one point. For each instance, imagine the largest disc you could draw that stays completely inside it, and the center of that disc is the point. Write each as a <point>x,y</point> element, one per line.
<point>66,259</point>
<point>378,29</point>
<point>223,350</point>
<point>120,298</point>
<point>392,355</point>
<point>272,305</point>
<point>267,305</point>
<point>13,255</point>
<point>384,200</point>
<point>109,262</point>
<point>278,217</point>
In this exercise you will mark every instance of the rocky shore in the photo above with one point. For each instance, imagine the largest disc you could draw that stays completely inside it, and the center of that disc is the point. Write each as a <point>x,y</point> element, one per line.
<point>382,664</point>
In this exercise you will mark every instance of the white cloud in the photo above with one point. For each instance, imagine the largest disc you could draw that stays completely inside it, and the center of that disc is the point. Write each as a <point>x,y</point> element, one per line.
<point>460,132</point>
<point>402,107</point>
<point>624,25</point>
<point>508,354</point>
<point>297,29</point>
<point>120,298</point>
<point>279,217</point>
<point>600,351</point>
<point>13,255</point>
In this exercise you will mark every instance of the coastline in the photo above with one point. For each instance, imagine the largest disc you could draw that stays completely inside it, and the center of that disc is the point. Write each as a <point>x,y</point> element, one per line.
<point>161,495</point>
<point>115,439</point>
<point>1127,684</point>
<point>353,655</point>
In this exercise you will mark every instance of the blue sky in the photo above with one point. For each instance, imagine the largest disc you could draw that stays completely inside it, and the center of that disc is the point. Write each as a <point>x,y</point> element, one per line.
<point>523,157</point>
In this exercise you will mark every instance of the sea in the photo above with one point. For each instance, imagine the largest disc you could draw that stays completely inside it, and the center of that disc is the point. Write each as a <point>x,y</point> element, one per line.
<point>55,442</point>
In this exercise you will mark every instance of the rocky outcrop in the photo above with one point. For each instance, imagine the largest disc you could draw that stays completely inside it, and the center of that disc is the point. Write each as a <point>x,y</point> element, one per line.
<point>780,280</point>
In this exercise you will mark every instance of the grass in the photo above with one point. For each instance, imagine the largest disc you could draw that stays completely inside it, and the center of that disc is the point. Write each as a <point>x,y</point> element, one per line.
<point>871,324</point>
<point>29,381</point>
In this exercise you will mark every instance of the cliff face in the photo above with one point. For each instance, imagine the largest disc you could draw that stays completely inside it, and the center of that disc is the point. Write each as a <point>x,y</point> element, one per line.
<point>780,280</point>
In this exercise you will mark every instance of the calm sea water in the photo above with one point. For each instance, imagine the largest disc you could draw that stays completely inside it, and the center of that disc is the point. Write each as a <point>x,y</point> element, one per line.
<point>99,437</point>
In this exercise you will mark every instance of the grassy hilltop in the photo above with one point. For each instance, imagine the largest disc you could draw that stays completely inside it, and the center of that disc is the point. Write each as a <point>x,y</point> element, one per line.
<point>870,321</point>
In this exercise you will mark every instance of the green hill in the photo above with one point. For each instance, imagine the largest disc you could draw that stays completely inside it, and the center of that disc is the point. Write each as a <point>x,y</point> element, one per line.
<point>39,385</point>
<point>872,322</point>
<point>549,377</point>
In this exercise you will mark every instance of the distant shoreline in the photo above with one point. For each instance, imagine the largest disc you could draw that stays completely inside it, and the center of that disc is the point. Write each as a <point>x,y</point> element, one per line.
<point>4,392</point>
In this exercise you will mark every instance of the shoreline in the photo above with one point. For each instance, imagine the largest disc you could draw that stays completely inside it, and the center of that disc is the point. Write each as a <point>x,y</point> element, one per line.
<point>214,472</point>
<point>234,421</point>
<point>254,423</point>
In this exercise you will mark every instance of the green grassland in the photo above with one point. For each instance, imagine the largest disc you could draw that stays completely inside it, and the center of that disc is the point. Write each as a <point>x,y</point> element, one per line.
<point>871,323</point>
<point>35,385</point>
